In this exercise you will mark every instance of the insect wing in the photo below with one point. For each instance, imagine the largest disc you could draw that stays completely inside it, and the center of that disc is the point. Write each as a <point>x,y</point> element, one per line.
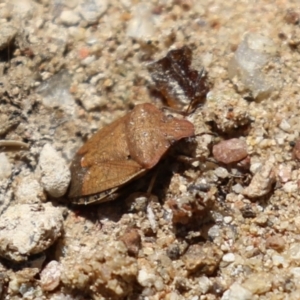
<point>103,162</point>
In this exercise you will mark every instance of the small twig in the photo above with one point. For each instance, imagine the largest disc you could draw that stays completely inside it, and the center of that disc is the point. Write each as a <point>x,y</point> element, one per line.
<point>12,143</point>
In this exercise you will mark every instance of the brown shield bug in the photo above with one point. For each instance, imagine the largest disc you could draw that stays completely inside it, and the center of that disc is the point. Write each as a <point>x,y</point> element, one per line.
<point>122,151</point>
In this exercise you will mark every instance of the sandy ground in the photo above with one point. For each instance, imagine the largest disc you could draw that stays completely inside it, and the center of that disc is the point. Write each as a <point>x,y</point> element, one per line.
<point>224,226</point>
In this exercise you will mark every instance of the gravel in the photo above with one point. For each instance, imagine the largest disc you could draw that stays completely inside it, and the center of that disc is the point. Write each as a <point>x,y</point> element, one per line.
<point>213,230</point>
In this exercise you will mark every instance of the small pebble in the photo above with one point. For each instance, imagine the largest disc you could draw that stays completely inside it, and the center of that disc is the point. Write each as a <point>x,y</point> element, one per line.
<point>204,284</point>
<point>151,217</point>
<point>55,92</point>
<point>221,172</point>
<point>29,190</point>
<point>92,10</point>
<point>251,55</point>
<point>173,251</point>
<point>262,181</point>
<point>258,283</point>
<point>237,188</point>
<point>284,172</point>
<point>261,220</point>
<point>5,167</point>
<point>279,261</point>
<point>285,126</point>
<point>228,257</point>
<point>237,292</point>
<point>90,100</point>
<point>69,18</point>
<point>132,240</point>
<point>214,232</point>
<point>55,172</point>
<point>88,60</point>
<point>204,258</point>
<point>50,276</point>
<point>141,25</point>
<point>255,167</point>
<point>230,151</point>
<point>275,242</point>
<point>294,252</point>
<point>290,187</point>
<point>145,278</point>
<point>227,219</point>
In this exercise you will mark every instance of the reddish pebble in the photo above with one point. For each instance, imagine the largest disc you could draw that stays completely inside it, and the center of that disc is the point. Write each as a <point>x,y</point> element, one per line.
<point>84,53</point>
<point>276,242</point>
<point>185,211</point>
<point>180,215</point>
<point>50,276</point>
<point>230,151</point>
<point>203,259</point>
<point>245,163</point>
<point>132,240</point>
<point>292,17</point>
<point>296,151</point>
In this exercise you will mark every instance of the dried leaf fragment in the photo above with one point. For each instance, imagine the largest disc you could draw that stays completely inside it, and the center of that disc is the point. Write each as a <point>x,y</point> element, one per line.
<point>176,81</point>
